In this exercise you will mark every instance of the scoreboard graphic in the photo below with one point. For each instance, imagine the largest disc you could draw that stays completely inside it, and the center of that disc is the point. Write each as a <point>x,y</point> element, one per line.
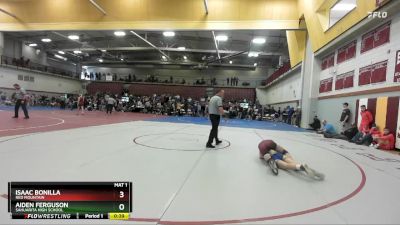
<point>70,200</point>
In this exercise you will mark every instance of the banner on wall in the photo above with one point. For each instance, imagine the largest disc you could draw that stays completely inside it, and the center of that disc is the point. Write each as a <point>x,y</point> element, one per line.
<point>397,67</point>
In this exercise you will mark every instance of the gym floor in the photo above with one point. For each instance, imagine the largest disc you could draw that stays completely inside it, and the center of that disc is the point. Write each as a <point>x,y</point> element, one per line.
<point>176,180</point>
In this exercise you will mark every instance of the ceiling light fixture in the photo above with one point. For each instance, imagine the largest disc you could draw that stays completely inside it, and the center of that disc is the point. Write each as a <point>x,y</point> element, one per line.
<point>169,33</point>
<point>46,40</point>
<point>181,48</point>
<point>100,60</point>
<point>60,57</point>
<point>32,45</point>
<point>119,33</point>
<point>61,52</point>
<point>103,50</point>
<point>253,54</point>
<point>184,57</point>
<point>259,40</point>
<point>77,52</point>
<point>230,62</point>
<point>73,37</point>
<point>221,38</point>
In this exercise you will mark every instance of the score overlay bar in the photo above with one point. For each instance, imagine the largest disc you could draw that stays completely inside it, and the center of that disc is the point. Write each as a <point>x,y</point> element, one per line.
<point>70,200</point>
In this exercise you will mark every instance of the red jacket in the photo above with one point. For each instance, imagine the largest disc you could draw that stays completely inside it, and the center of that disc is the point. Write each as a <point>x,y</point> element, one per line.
<point>374,132</point>
<point>366,119</point>
<point>390,142</point>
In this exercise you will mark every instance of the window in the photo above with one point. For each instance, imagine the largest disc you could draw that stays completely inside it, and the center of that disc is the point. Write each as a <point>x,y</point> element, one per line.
<point>340,10</point>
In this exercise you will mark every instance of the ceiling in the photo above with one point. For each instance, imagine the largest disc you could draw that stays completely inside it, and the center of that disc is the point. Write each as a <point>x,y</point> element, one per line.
<point>200,47</point>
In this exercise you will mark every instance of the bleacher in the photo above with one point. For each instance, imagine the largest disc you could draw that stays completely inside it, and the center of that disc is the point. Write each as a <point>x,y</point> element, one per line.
<point>196,92</point>
<point>278,73</point>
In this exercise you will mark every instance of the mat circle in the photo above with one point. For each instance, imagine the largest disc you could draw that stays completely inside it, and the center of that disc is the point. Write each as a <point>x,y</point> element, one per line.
<point>190,142</point>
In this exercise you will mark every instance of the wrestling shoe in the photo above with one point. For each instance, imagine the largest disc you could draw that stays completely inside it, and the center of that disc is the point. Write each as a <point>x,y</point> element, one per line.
<point>217,142</point>
<point>210,146</point>
<point>318,175</point>
<point>272,164</point>
<point>308,171</point>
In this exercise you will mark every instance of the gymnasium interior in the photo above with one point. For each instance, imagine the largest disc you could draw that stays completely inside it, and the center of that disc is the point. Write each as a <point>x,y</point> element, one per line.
<point>125,91</point>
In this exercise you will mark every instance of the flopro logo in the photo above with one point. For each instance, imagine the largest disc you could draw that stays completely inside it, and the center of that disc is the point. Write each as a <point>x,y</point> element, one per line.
<point>377,14</point>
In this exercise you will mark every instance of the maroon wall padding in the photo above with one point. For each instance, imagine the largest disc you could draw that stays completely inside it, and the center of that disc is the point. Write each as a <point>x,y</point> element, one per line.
<point>195,92</point>
<point>357,112</point>
<point>372,107</point>
<point>184,91</point>
<point>103,87</point>
<point>392,113</point>
<point>239,93</point>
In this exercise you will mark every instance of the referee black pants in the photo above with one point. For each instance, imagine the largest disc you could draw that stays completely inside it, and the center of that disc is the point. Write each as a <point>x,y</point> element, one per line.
<point>109,108</point>
<point>23,105</point>
<point>214,130</point>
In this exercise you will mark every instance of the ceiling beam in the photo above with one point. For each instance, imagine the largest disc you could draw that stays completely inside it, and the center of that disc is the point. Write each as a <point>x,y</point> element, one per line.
<point>206,6</point>
<point>98,7</point>
<point>8,13</point>
<point>216,44</point>
<point>160,63</point>
<point>138,49</point>
<point>149,43</point>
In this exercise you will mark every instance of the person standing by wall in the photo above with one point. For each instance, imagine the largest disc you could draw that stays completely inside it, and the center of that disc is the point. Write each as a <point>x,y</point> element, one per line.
<point>215,110</point>
<point>81,104</point>
<point>366,118</point>
<point>21,100</point>
<point>345,117</point>
<point>110,104</point>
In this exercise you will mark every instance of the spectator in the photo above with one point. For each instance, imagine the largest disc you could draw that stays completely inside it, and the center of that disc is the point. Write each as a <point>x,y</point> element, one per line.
<point>385,141</point>
<point>351,132</point>
<point>227,81</point>
<point>366,118</point>
<point>327,128</point>
<point>316,124</point>
<point>21,100</point>
<point>368,136</point>
<point>345,117</point>
<point>290,114</point>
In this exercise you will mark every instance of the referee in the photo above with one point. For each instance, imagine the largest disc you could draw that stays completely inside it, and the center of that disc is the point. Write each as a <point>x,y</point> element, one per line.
<point>215,110</point>
<point>20,95</point>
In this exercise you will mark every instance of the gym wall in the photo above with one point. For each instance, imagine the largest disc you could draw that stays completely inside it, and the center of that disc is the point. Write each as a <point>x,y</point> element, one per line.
<point>38,82</point>
<point>371,78</point>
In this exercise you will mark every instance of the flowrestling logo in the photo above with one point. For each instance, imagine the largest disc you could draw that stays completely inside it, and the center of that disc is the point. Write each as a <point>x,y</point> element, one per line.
<point>377,14</point>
